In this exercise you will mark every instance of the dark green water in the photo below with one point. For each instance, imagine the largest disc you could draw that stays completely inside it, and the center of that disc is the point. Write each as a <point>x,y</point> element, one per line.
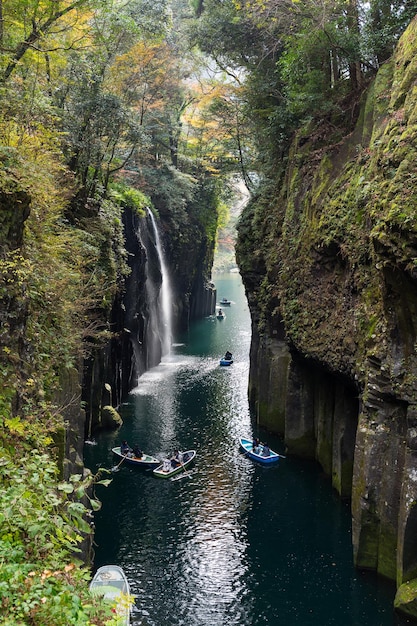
<point>236,544</point>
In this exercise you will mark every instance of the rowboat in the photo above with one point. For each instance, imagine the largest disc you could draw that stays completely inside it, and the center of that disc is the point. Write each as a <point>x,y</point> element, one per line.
<point>220,315</point>
<point>226,362</point>
<point>111,583</point>
<point>166,470</point>
<point>260,454</point>
<point>146,460</point>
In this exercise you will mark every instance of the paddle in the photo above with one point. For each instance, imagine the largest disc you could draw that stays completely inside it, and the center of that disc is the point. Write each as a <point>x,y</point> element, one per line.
<point>116,467</point>
<point>185,473</point>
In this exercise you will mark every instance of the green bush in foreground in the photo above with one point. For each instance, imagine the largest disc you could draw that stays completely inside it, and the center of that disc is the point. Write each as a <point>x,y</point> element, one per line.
<point>42,522</point>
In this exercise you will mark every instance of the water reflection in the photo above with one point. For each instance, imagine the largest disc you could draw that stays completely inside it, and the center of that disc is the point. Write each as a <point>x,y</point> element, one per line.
<point>235,544</point>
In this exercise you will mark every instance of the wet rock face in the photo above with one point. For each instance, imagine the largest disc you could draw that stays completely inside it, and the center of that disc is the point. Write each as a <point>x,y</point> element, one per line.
<point>135,321</point>
<point>328,253</point>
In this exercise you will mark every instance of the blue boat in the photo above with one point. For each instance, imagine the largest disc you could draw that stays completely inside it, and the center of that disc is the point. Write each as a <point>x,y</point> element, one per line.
<point>261,453</point>
<point>227,359</point>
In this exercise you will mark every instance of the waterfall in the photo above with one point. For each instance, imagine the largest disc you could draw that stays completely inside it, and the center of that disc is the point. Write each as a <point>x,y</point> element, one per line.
<point>164,298</point>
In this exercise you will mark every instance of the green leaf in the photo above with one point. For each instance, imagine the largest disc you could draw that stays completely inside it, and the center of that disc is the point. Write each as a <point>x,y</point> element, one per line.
<point>106,482</point>
<point>66,487</point>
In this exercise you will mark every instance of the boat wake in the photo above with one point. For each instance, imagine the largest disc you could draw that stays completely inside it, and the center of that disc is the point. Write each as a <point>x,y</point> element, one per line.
<point>168,367</point>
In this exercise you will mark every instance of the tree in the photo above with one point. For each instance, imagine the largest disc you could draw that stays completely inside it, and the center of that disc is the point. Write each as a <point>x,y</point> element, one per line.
<point>17,38</point>
<point>384,23</point>
<point>149,78</point>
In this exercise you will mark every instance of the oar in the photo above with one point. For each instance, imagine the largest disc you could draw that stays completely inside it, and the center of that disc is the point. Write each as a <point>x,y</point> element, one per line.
<point>185,473</point>
<point>116,468</point>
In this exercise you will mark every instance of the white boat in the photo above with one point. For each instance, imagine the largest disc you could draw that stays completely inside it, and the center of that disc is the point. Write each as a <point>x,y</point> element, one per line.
<point>166,469</point>
<point>146,460</point>
<point>225,302</point>
<point>111,583</point>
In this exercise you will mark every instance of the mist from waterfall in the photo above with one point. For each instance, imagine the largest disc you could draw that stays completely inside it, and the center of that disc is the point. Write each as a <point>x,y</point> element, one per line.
<point>165,297</point>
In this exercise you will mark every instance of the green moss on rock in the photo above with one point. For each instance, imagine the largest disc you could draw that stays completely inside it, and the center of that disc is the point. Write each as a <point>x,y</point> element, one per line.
<point>110,418</point>
<point>406,598</point>
<point>387,552</point>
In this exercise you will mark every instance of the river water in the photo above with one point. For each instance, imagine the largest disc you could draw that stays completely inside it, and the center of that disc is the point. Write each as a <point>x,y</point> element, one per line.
<point>232,543</point>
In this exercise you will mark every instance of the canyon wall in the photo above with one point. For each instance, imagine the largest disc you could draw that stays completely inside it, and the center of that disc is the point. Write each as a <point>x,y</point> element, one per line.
<point>135,327</point>
<point>328,254</point>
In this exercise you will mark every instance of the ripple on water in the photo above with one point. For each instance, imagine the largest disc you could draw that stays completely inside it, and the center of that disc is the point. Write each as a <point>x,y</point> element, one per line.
<point>236,544</point>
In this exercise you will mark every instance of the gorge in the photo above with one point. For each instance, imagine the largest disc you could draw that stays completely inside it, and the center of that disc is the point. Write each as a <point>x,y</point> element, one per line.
<point>328,256</point>
<point>122,149</point>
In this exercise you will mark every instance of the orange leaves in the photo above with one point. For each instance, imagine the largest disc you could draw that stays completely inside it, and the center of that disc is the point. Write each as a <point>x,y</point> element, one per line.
<point>211,121</point>
<point>145,76</point>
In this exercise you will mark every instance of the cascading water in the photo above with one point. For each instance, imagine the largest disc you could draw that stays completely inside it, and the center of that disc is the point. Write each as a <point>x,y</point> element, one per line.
<point>164,298</point>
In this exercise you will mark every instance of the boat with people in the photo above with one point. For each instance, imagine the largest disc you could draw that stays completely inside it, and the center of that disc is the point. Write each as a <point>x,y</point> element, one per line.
<point>220,315</point>
<point>175,465</point>
<point>225,302</point>
<point>258,451</point>
<point>111,584</point>
<point>132,458</point>
<point>227,359</point>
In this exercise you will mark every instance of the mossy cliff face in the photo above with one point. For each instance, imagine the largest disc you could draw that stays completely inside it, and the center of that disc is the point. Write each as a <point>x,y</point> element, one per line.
<point>328,254</point>
<point>136,340</point>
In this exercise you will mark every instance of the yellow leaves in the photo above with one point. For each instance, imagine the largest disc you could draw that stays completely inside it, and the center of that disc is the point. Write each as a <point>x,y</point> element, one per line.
<point>147,78</point>
<point>250,6</point>
<point>38,167</point>
<point>51,27</point>
<point>147,67</point>
<point>15,425</point>
<point>210,121</point>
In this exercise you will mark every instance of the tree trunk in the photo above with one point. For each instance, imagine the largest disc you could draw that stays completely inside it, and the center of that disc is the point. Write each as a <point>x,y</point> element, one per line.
<point>355,72</point>
<point>1,24</point>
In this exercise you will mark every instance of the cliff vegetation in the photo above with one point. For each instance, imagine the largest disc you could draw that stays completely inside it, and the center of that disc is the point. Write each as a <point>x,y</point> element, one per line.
<point>104,115</point>
<point>327,250</point>
<point>109,110</point>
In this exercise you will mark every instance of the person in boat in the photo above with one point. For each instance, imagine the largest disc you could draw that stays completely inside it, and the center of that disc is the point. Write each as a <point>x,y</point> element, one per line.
<point>176,459</point>
<point>166,465</point>
<point>266,450</point>
<point>125,449</point>
<point>220,312</point>
<point>228,356</point>
<point>255,445</point>
<point>137,451</point>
